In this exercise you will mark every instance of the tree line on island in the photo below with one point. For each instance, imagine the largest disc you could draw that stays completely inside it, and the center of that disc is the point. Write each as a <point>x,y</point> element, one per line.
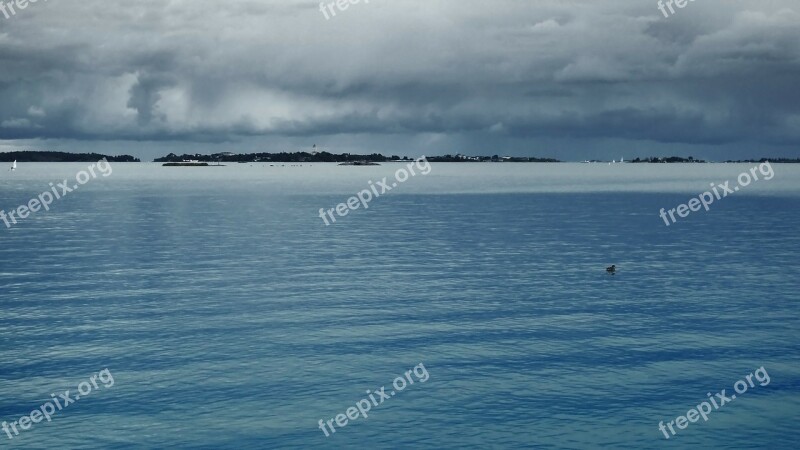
<point>323,157</point>
<point>678,159</point>
<point>668,160</point>
<point>41,156</point>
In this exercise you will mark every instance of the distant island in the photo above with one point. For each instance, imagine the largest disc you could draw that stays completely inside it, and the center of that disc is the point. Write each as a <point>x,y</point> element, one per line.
<point>282,157</point>
<point>38,156</point>
<point>678,159</point>
<point>495,158</point>
<point>322,157</point>
<point>668,160</point>
<point>772,160</point>
<point>186,164</point>
<point>359,163</point>
<point>326,157</point>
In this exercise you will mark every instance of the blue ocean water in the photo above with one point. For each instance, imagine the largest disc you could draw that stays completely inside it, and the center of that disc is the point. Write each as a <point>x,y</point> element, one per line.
<point>231,317</point>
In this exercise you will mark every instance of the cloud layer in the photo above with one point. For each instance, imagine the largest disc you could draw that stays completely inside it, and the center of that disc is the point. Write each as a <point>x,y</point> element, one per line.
<point>446,74</point>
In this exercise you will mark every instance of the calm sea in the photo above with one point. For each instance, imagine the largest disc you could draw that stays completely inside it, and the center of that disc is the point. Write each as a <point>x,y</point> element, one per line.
<point>231,317</point>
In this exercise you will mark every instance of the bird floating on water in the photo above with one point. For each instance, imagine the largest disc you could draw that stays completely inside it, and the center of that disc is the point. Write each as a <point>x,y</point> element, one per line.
<point>612,269</point>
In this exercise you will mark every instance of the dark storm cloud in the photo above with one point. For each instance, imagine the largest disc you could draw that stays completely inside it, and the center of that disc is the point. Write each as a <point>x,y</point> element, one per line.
<point>716,72</point>
<point>145,95</point>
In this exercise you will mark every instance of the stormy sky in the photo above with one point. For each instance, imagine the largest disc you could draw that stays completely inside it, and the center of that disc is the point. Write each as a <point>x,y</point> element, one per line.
<point>569,79</point>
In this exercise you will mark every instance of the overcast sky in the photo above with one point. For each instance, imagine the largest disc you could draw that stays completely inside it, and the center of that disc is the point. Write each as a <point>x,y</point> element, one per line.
<point>562,78</point>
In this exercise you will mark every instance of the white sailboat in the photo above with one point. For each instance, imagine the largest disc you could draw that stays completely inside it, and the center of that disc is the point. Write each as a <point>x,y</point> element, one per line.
<point>14,166</point>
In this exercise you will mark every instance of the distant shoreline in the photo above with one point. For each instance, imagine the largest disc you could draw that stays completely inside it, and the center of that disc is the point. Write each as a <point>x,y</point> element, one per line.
<point>344,159</point>
<point>43,156</point>
<point>351,159</point>
<point>325,157</point>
